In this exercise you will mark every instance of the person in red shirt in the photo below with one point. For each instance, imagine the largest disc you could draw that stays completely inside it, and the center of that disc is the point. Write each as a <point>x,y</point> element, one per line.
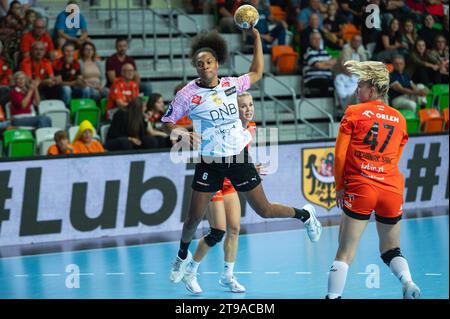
<point>38,33</point>
<point>123,90</point>
<point>38,67</point>
<point>68,72</point>
<point>24,96</point>
<point>369,145</point>
<point>5,77</point>
<point>226,10</point>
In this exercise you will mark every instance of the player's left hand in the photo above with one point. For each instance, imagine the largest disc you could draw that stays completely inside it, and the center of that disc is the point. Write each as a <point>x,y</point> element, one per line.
<point>340,198</point>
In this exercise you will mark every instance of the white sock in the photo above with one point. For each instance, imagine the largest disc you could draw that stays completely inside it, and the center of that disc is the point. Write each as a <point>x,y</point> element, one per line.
<point>336,279</point>
<point>228,269</point>
<point>399,267</point>
<point>192,267</point>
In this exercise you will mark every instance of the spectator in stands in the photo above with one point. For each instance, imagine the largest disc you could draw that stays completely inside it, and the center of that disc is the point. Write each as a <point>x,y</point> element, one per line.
<point>91,71</point>
<point>62,145</point>
<point>332,27</point>
<point>441,56</point>
<point>435,8</point>
<point>354,50</point>
<point>427,32</point>
<point>303,17</point>
<point>313,26</point>
<point>38,67</point>
<point>409,34</point>
<point>5,77</point>
<point>40,34</point>
<point>64,32</point>
<point>346,84</point>
<point>421,66</point>
<point>445,31</point>
<point>84,142</point>
<point>154,111</point>
<point>68,72</point>
<point>268,36</point>
<point>24,96</point>
<point>404,93</point>
<point>115,63</point>
<point>318,65</point>
<point>128,129</point>
<point>30,18</point>
<point>395,9</point>
<point>11,31</point>
<point>390,44</point>
<point>123,90</point>
<point>185,122</point>
<point>225,11</point>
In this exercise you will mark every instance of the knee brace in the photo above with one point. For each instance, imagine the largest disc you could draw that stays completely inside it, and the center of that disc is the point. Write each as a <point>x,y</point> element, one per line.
<point>391,254</point>
<point>214,236</point>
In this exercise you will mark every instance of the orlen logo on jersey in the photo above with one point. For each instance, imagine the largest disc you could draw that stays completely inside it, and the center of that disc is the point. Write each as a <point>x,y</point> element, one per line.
<point>368,113</point>
<point>390,118</point>
<point>196,99</point>
<point>226,84</point>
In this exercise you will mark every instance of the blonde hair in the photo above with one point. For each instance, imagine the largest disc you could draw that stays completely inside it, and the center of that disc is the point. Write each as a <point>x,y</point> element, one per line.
<point>244,94</point>
<point>372,72</point>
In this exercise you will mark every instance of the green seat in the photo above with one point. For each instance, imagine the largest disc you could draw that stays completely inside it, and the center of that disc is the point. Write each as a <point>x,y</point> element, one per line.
<point>440,93</point>
<point>76,104</point>
<point>19,143</point>
<point>334,53</point>
<point>145,98</point>
<point>412,121</point>
<point>429,101</point>
<point>438,26</point>
<point>90,113</point>
<point>103,103</point>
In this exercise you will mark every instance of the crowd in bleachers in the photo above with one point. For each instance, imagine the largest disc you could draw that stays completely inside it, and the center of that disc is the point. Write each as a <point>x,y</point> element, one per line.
<point>53,86</point>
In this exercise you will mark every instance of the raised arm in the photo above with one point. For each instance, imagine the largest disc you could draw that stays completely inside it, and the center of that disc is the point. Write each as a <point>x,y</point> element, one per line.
<point>257,68</point>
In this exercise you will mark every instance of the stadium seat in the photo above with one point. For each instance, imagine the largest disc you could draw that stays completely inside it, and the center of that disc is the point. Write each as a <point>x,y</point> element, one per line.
<point>431,120</point>
<point>334,53</point>
<point>285,59</point>
<point>56,110</point>
<point>445,112</point>
<point>90,113</point>
<point>18,143</point>
<point>440,95</point>
<point>104,132</point>
<point>412,121</point>
<point>103,103</point>
<point>45,138</point>
<point>278,13</point>
<point>8,110</point>
<point>76,104</point>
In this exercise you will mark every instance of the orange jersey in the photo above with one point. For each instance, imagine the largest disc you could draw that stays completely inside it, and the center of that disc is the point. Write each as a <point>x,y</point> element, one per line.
<point>37,70</point>
<point>81,148</point>
<point>54,150</point>
<point>28,39</point>
<point>5,72</point>
<point>122,90</point>
<point>377,133</point>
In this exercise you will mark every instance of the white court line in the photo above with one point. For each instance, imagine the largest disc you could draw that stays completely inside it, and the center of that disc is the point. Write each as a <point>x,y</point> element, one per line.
<point>243,272</point>
<point>114,273</point>
<point>432,274</point>
<point>365,273</point>
<point>86,274</point>
<point>147,273</point>
<point>210,272</point>
<point>272,272</point>
<point>24,275</point>
<point>51,275</point>
<point>303,273</point>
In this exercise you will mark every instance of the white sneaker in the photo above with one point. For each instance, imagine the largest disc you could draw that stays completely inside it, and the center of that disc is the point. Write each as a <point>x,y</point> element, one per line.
<point>191,283</point>
<point>179,268</point>
<point>313,226</point>
<point>411,291</point>
<point>231,283</point>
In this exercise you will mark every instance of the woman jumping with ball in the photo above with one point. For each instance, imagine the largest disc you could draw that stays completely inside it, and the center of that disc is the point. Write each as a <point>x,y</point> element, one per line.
<point>211,102</point>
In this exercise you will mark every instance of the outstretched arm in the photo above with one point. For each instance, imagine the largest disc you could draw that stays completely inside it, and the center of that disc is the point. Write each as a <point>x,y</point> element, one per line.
<point>257,67</point>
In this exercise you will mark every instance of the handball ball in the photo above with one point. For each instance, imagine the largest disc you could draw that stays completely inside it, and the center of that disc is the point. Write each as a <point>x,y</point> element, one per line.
<point>246,16</point>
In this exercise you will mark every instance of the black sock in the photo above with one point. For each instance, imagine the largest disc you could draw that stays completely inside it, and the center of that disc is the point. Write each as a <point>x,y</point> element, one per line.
<point>301,214</point>
<point>183,252</point>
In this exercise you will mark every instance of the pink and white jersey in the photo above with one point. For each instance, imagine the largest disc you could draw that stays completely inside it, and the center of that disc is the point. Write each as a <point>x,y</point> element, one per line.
<point>215,115</point>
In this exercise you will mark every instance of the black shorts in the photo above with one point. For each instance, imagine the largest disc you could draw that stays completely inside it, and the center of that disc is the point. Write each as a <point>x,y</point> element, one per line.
<point>210,173</point>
